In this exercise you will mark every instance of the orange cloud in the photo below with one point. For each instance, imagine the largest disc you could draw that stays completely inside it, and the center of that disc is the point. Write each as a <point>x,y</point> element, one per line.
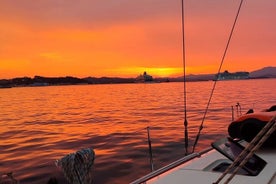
<point>93,38</point>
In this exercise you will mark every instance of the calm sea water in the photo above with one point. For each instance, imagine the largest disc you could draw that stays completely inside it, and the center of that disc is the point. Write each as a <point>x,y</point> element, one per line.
<point>39,125</point>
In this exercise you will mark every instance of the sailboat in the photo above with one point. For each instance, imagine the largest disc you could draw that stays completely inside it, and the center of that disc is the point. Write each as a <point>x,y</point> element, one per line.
<point>246,156</point>
<point>241,160</point>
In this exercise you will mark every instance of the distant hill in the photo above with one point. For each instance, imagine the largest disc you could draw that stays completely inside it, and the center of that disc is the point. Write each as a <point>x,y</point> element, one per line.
<point>108,80</point>
<point>266,72</point>
<point>192,77</point>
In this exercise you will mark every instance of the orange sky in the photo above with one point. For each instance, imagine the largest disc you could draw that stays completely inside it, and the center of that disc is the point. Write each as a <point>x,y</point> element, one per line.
<point>125,37</point>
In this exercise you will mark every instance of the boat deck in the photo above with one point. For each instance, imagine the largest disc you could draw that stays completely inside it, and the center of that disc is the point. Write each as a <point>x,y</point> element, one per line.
<point>200,170</point>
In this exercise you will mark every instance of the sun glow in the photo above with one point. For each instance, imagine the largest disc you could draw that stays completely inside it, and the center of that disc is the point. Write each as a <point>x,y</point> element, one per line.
<point>155,72</point>
<point>164,72</point>
<point>125,42</point>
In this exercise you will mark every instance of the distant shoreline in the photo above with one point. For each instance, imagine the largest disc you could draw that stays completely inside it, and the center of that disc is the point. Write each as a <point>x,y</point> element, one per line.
<point>112,81</point>
<point>264,73</point>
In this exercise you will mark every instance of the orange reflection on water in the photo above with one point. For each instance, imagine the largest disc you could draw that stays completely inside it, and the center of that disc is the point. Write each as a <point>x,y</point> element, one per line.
<point>42,124</point>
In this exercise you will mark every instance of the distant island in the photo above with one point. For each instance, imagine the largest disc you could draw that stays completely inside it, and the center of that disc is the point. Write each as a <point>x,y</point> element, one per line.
<point>267,72</point>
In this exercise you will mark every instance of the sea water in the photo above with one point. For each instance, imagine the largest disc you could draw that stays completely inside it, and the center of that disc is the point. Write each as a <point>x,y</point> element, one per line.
<point>39,125</point>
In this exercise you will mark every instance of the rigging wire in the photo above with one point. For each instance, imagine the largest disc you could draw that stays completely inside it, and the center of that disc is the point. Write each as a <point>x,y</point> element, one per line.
<point>249,150</point>
<point>214,86</point>
<point>184,75</point>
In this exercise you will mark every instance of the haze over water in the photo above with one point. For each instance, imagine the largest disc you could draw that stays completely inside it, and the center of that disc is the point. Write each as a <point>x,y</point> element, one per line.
<point>42,124</point>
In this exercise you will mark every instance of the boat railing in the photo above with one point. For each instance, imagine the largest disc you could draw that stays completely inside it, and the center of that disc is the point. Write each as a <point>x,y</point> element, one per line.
<point>149,151</point>
<point>169,167</point>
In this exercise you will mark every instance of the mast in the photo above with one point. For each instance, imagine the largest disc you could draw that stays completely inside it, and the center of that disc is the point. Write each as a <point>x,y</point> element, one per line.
<point>184,75</point>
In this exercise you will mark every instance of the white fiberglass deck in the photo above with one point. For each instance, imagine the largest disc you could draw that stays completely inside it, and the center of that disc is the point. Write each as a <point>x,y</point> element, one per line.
<point>199,170</point>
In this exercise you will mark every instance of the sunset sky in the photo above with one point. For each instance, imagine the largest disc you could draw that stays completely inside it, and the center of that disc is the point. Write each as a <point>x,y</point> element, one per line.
<point>123,38</point>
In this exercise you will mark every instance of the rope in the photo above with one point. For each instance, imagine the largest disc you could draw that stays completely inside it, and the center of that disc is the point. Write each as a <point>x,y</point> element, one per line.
<point>215,83</point>
<point>247,153</point>
<point>184,75</point>
<point>77,166</point>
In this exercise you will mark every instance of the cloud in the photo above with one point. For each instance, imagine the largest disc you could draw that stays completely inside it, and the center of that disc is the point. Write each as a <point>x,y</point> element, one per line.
<point>85,13</point>
<point>103,34</point>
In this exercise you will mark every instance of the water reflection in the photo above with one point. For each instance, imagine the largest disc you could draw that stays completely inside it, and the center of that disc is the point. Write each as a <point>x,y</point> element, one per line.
<point>42,124</point>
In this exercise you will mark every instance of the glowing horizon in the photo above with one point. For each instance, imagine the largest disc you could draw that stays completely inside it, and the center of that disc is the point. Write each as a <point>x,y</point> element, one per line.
<point>124,39</point>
